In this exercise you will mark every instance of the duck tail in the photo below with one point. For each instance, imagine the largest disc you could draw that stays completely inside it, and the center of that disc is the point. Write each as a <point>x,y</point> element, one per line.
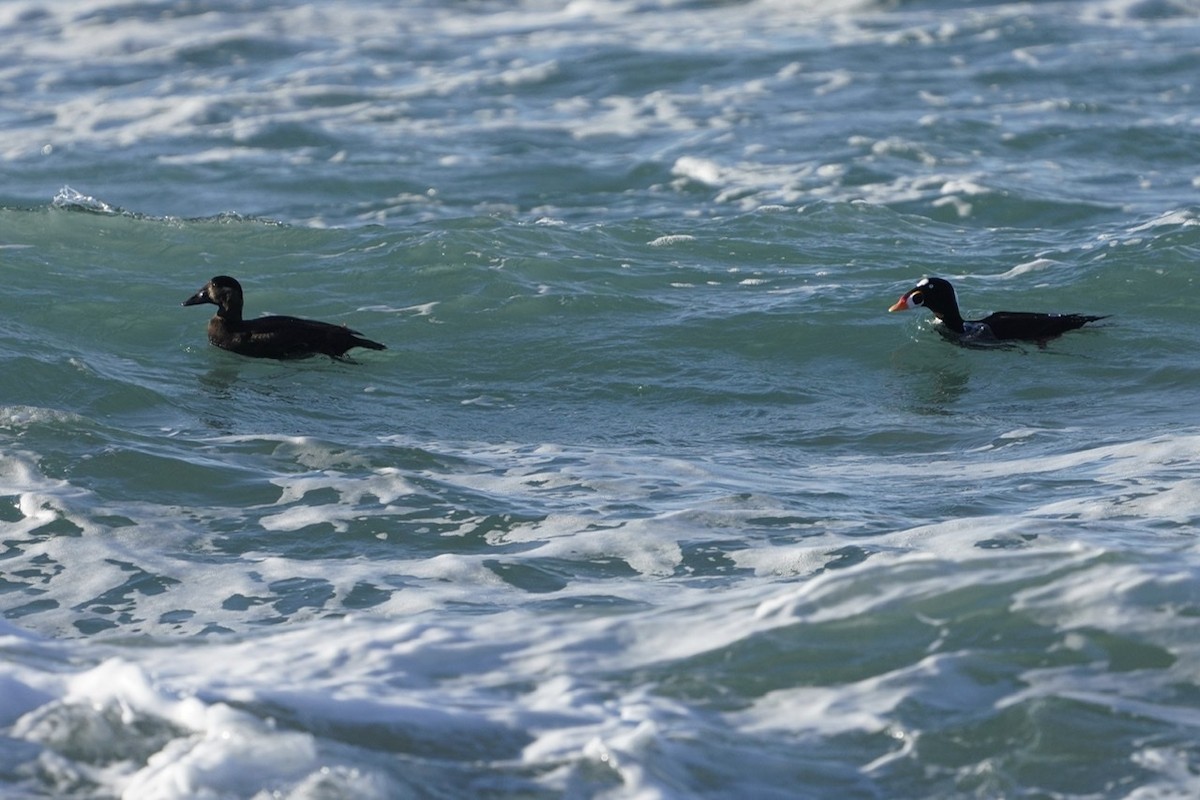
<point>367,343</point>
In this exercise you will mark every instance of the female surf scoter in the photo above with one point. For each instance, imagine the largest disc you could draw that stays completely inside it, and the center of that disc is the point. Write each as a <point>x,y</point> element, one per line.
<point>270,337</point>
<point>938,296</point>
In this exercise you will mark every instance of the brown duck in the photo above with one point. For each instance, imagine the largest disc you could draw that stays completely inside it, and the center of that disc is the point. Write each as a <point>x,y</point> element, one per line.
<point>270,337</point>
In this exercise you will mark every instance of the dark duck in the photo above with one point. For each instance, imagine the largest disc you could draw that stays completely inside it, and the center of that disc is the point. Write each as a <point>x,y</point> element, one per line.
<point>270,337</point>
<point>939,297</point>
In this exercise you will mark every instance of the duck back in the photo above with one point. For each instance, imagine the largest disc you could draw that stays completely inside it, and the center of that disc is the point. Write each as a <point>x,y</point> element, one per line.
<point>285,337</point>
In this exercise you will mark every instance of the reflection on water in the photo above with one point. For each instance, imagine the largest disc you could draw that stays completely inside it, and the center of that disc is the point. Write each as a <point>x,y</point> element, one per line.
<point>930,380</point>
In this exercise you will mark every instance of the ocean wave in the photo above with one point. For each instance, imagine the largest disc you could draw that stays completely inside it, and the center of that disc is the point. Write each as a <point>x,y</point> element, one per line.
<point>621,701</point>
<point>649,495</point>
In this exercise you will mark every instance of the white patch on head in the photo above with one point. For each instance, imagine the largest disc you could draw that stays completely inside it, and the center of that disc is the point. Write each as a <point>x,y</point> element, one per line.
<point>923,282</point>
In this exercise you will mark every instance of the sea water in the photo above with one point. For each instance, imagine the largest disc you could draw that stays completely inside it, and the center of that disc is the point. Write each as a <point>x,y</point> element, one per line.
<point>648,497</point>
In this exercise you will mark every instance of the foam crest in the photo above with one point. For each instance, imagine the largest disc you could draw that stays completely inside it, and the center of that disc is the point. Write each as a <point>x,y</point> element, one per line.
<point>648,547</point>
<point>40,500</point>
<point>159,743</point>
<point>1036,265</point>
<point>358,498</point>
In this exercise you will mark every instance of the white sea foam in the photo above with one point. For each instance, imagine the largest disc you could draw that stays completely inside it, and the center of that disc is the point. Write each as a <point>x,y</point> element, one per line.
<point>1036,265</point>
<point>577,497</point>
<point>216,155</point>
<point>357,499</point>
<point>445,681</point>
<point>333,674</point>
<point>698,169</point>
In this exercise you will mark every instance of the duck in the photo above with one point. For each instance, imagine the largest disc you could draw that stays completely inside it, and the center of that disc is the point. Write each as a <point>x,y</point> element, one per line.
<point>271,337</point>
<point>938,295</point>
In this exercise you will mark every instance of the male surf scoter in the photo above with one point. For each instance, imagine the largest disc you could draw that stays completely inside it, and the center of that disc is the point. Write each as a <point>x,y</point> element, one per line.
<point>938,296</point>
<point>270,337</point>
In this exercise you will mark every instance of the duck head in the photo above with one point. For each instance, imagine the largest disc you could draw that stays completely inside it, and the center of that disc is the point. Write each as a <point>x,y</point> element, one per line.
<point>936,294</point>
<point>222,291</point>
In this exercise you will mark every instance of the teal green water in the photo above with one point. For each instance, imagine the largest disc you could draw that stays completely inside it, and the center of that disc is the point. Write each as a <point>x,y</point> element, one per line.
<point>649,496</point>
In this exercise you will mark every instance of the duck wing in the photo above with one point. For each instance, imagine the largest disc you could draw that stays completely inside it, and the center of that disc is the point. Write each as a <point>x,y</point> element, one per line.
<point>295,337</point>
<point>1034,326</point>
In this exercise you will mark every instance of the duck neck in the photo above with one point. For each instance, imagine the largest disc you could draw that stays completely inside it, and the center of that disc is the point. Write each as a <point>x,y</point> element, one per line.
<point>952,319</point>
<point>231,312</point>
